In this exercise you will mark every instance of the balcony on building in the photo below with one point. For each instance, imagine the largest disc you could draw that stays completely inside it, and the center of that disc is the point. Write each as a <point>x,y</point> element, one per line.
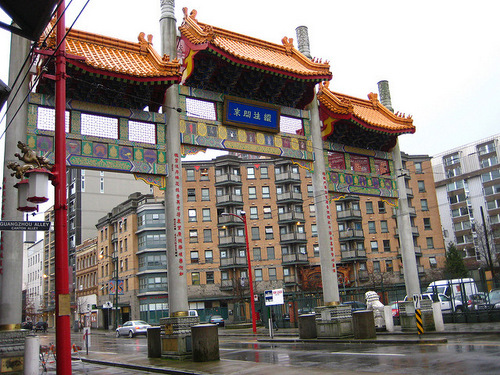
<point>351,235</point>
<point>289,197</point>
<point>412,211</point>
<point>348,198</point>
<point>409,192</point>
<point>293,237</point>
<point>289,280</point>
<point>153,289</point>
<point>229,221</point>
<point>353,255</point>
<point>232,241</point>
<point>287,177</point>
<point>227,284</point>
<point>420,270</point>
<point>418,251</point>
<point>290,217</point>
<point>363,275</point>
<point>233,262</point>
<point>114,237</point>
<point>414,232</point>
<point>294,258</point>
<point>229,200</point>
<point>349,214</point>
<point>227,179</point>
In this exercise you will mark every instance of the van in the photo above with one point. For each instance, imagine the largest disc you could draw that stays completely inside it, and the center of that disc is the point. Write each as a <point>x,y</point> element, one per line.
<point>458,290</point>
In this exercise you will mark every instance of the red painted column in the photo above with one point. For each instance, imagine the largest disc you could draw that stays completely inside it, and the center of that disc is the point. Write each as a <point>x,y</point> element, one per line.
<point>63,312</point>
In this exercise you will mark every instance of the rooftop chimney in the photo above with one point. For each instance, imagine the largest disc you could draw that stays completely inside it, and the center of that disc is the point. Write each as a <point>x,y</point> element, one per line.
<point>303,41</point>
<point>385,95</point>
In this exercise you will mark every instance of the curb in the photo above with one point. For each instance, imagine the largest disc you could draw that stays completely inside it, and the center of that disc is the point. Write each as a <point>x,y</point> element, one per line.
<point>159,370</point>
<point>417,341</point>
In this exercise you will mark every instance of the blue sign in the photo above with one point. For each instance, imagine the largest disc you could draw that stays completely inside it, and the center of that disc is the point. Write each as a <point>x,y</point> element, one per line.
<point>251,114</point>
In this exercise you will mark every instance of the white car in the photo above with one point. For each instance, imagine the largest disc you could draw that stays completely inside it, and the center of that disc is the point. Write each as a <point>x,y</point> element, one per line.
<point>133,328</point>
<point>444,300</point>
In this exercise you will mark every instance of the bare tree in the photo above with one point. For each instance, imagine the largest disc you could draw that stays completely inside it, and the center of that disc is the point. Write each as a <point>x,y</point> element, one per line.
<point>486,248</point>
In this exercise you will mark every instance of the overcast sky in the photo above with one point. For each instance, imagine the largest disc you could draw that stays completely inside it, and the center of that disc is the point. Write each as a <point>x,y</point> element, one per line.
<point>441,58</point>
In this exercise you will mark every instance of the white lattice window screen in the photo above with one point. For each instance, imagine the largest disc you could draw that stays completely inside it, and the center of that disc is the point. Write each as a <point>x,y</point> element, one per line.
<point>201,109</point>
<point>144,132</point>
<point>99,126</point>
<point>46,119</point>
<point>290,125</point>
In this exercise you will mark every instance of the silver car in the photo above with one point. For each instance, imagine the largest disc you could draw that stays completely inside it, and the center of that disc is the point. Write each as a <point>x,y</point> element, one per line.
<point>132,328</point>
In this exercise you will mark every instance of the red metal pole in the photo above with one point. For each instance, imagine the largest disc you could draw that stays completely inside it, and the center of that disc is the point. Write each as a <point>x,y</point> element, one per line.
<point>63,309</point>
<point>250,278</point>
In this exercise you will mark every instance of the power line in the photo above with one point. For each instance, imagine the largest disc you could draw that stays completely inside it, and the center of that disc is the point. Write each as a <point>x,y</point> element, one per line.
<point>43,67</point>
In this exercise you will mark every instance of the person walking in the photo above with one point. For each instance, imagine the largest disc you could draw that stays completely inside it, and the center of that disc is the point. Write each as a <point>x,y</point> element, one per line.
<point>275,323</point>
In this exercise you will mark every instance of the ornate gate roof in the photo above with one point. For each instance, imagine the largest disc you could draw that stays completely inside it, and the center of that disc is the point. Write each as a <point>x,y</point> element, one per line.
<point>224,61</point>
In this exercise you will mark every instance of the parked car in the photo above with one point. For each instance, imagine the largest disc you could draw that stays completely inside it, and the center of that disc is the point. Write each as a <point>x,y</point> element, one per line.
<point>217,319</point>
<point>41,326</point>
<point>395,311</point>
<point>133,328</point>
<point>446,303</point>
<point>494,299</point>
<point>355,305</point>
<point>27,325</point>
<point>457,289</point>
<point>306,310</point>
<point>478,301</point>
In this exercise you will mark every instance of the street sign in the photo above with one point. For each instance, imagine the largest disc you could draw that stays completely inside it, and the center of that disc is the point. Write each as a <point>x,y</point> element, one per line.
<point>25,225</point>
<point>274,297</point>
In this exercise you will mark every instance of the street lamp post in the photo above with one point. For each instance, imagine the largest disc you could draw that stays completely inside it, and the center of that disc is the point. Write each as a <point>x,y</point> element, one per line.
<point>243,218</point>
<point>115,261</point>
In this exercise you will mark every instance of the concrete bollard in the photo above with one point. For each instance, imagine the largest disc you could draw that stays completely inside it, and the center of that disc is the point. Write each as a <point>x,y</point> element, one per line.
<point>438,316</point>
<point>154,342</point>
<point>307,326</point>
<point>205,339</point>
<point>389,320</point>
<point>32,355</point>
<point>363,323</point>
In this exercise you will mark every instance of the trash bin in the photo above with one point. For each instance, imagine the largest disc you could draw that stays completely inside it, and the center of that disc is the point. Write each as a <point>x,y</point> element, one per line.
<point>205,338</point>
<point>76,326</point>
<point>363,324</point>
<point>307,326</point>
<point>154,342</point>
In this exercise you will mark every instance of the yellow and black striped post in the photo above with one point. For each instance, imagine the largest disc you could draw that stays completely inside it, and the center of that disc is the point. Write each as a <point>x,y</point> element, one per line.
<point>418,317</point>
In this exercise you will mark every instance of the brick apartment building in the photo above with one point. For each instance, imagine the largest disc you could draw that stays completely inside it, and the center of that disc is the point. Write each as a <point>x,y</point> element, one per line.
<point>277,197</point>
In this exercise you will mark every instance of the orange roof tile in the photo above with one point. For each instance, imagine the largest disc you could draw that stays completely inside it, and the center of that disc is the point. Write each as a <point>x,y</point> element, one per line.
<point>135,60</point>
<point>255,52</point>
<point>371,112</point>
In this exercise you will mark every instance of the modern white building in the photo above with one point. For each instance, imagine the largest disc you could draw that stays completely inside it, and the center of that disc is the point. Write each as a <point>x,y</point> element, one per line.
<point>467,182</point>
<point>34,280</point>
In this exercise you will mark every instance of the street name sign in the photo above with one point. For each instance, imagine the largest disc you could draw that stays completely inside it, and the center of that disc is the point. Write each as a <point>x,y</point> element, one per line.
<point>25,225</point>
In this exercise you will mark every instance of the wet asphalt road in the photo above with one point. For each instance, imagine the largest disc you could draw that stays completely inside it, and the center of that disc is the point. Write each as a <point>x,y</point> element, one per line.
<point>463,354</point>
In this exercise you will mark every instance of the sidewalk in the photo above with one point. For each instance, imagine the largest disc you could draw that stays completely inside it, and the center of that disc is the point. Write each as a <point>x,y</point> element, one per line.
<point>136,362</point>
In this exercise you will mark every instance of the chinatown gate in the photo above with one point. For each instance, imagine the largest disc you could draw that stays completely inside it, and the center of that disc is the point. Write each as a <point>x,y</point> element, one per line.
<point>221,90</point>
